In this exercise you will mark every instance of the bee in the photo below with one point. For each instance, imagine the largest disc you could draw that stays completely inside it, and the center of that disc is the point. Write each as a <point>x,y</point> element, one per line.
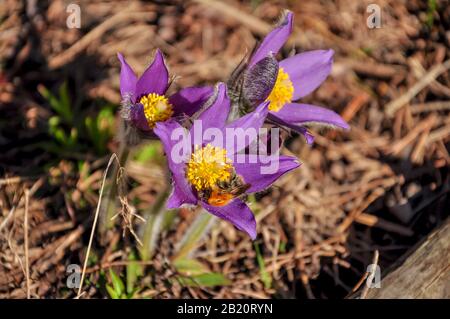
<point>224,192</point>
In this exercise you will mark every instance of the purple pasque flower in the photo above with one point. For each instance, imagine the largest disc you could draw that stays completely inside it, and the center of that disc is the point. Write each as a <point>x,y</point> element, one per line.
<point>209,173</point>
<point>296,77</point>
<point>144,102</point>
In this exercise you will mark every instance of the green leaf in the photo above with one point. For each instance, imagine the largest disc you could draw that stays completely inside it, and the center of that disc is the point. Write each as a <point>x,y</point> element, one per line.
<point>265,276</point>
<point>60,105</point>
<point>118,285</point>
<point>196,231</point>
<point>147,152</point>
<point>205,280</point>
<point>112,293</point>
<point>134,271</point>
<point>64,102</point>
<point>190,267</point>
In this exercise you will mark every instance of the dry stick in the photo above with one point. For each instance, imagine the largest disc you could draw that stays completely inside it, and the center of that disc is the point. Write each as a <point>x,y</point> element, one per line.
<point>97,32</point>
<point>400,145</point>
<point>438,134</point>
<point>111,159</point>
<point>246,19</point>
<point>25,226</point>
<point>7,218</point>
<point>435,71</point>
<point>430,107</point>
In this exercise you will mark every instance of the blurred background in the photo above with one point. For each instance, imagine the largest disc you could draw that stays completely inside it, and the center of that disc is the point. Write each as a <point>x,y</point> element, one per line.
<point>381,187</point>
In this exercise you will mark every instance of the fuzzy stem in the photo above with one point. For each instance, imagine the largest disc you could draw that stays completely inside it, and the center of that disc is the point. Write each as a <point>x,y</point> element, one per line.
<point>154,224</point>
<point>110,209</point>
<point>196,232</point>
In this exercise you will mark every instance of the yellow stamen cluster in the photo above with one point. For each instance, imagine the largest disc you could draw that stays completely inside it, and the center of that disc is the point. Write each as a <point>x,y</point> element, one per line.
<point>208,166</point>
<point>282,92</point>
<point>156,108</point>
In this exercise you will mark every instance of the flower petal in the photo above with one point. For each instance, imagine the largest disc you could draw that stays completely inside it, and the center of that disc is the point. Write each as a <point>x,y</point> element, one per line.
<point>273,42</point>
<point>237,213</point>
<point>138,118</point>
<point>128,78</point>
<point>155,78</point>
<point>299,129</point>
<point>298,114</point>
<point>190,100</point>
<point>182,192</point>
<point>216,114</point>
<point>251,122</point>
<point>254,173</point>
<point>308,70</point>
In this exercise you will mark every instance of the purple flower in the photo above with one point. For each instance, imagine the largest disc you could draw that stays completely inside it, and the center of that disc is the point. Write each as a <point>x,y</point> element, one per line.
<point>295,78</point>
<point>209,174</point>
<point>144,101</point>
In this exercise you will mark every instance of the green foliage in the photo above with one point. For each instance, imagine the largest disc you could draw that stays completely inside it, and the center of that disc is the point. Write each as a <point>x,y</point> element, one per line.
<point>432,7</point>
<point>190,267</point>
<point>194,274</point>
<point>134,272</point>
<point>148,152</point>
<point>196,231</point>
<point>100,128</point>
<point>265,276</point>
<point>117,289</point>
<point>212,279</point>
<point>61,103</point>
<point>67,128</point>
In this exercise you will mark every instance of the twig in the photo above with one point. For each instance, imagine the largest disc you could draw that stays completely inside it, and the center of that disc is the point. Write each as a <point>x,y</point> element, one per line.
<point>111,159</point>
<point>430,107</point>
<point>7,218</point>
<point>428,78</point>
<point>253,23</point>
<point>68,55</point>
<point>25,226</point>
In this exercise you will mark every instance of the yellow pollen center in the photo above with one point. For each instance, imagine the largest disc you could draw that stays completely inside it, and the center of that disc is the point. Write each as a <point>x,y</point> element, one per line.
<point>156,108</point>
<point>282,91</point>
<point>208,166</point>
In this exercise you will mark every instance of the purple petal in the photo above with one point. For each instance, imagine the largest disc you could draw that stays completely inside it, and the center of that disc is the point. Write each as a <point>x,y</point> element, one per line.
<point>251,122</point>
<point>237,213</point>
<point>182,192</point>
<point>189,100</point>
<point>252,173</point>
<point>155,78</point>
<point>273,42</point>
<point>308,70</point>
<point>137,117</point>
<point>298,114</point>
<point>299,129</point>
<point>216,115</point>
<point>127,77</point>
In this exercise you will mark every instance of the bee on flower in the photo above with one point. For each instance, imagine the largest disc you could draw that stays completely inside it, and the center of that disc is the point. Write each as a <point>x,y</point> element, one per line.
<point>209,174</point>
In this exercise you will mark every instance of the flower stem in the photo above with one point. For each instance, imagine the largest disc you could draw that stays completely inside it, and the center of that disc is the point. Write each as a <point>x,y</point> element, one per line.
<point>194,234</point>
<point>110,208</point>
<point>154,224</point>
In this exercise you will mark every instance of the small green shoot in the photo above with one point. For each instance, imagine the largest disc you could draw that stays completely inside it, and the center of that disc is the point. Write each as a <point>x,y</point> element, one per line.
<point>265,276</point>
